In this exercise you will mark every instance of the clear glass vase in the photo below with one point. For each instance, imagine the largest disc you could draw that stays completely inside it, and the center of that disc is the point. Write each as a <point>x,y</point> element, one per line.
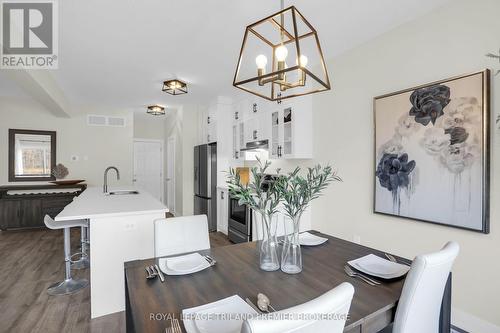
<point>291,257</point>
<point>269,260</point>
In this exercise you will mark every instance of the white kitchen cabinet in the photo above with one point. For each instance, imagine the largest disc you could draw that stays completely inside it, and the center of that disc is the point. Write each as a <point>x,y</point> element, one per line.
<point>253,124</point>
<point>291,129</point>
<point>211,123</point>
<point>222,210</point>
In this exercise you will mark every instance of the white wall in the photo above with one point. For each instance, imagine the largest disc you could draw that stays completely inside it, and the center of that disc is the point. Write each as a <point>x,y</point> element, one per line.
<point>182,124</point>
<point>96,147</point>
<point>173,128</point>
<point>149,127</point>
<point>448,42</point>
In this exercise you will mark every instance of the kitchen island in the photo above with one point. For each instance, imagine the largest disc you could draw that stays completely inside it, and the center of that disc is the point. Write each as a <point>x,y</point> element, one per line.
<point>121,229</point>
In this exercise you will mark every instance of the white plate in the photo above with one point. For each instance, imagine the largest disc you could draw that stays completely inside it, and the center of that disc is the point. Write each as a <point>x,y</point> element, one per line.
<point>309,239</point>
<point>181,265</point>
<point>377,266</point>
<point>231,306</point>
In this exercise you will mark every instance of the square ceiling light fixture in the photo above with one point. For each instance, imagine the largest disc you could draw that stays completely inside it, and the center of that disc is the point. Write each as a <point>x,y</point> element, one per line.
<point>156,110</point>
<point>281,57</point>
<point>174,87</point>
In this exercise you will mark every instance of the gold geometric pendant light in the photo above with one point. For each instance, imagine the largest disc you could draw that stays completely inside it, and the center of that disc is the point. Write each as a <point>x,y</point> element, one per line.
<point>296,67</point>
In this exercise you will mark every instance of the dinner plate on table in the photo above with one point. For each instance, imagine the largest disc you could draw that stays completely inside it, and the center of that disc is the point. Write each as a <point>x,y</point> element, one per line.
<point>223,316</point>
<point>182,265</point>
<point>379,267</point>
<point>308,239</point>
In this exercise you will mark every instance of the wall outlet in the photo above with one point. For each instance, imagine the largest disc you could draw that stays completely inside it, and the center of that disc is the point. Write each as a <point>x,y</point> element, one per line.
<point>356,239</point>
<point>130,226</point>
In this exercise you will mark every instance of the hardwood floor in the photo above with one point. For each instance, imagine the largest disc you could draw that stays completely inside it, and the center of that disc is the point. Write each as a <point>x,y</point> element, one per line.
<point>32,260</point>
<point>218,239</point>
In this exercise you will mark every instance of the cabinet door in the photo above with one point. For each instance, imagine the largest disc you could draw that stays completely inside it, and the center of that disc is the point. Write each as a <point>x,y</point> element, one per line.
<point>275,134</point>
<point>252,130</point>
<point>241,133</point>
<point>287,146</point>
<point>235,145</point>
<point>10,214</point>
<point>222,212</point>
<point>31,215</point>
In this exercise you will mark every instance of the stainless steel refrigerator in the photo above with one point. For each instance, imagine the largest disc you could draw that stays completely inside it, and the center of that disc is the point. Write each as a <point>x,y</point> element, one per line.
<point>205,183</point>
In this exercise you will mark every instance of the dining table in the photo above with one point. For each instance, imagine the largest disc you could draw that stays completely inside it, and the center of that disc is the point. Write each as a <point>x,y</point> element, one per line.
<point>151,304</point>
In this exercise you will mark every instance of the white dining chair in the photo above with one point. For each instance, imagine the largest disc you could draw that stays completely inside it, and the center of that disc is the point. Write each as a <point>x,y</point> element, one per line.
<point>181,234</point>
<point>419,306</point>
<point>326,313</point>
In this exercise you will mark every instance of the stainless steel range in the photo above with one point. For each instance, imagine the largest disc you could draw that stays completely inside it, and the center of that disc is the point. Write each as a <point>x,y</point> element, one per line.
<point>240,222</point>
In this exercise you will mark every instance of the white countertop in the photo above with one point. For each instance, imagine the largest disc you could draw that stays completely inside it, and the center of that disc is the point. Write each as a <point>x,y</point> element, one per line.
<point>92,203</point>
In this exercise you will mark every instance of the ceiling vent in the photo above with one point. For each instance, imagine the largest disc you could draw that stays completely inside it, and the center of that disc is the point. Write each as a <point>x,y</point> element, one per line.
<point>99,120</point>
<point>116,121</point>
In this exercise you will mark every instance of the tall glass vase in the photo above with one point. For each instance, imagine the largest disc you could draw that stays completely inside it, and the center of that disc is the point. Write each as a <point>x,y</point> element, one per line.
<point>268,253</point>
<point>291,257</point>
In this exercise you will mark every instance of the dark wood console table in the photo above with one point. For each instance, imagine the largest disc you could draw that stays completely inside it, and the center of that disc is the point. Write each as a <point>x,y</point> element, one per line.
<point>24,206</point>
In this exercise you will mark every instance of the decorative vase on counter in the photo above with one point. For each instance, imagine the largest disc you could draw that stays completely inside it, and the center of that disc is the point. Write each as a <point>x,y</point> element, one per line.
<point>268,251</point>
<point>296,192</point>
<point>291,257</point>
<point>263,198</point>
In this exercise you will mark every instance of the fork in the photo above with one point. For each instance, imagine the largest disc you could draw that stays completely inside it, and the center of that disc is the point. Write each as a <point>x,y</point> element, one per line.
<point>210,260</point>
<point>393,259</point>
<point>176,327</point>
<point>390,257</point>
<point>363,277</point>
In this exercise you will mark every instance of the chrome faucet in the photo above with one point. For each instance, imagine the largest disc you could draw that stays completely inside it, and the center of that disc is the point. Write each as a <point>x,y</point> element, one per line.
<point>105,186</point>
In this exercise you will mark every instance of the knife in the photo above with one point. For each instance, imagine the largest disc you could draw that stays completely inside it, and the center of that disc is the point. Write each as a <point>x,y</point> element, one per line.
<point>160,274</point>
<point>249,302</point>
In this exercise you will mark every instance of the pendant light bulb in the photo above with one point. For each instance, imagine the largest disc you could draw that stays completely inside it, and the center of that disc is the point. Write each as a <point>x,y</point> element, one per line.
<point>281,53</point>
<point>303,61</point>
<point>261,61</point>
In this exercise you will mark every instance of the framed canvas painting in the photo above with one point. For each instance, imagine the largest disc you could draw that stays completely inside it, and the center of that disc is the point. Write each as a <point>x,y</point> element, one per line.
<point>432,152</point>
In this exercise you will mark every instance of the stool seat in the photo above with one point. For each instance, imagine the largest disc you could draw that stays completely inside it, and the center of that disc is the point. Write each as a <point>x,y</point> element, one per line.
<point>51,224</point>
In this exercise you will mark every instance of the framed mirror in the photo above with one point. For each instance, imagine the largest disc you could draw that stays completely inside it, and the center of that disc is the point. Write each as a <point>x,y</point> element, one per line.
<point>32,155</point>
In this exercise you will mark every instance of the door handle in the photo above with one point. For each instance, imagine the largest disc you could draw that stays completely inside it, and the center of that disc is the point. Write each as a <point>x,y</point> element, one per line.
<point>255,134</point>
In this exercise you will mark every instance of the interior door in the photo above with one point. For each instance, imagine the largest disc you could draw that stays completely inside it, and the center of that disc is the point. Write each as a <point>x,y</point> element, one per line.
<point>171,175</point>
<point>148,167</point>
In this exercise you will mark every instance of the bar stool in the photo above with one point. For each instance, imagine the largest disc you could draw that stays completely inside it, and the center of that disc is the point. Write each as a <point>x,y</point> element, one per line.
<point>69,285</point>
<point>83,262</point>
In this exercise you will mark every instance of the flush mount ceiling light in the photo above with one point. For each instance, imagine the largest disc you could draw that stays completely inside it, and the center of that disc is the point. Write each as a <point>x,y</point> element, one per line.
<point>296,61</point>
<point>156,110</point>
<point>174,87</point>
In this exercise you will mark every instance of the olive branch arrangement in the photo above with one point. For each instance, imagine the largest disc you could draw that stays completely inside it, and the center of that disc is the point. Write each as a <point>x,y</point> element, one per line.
<point>252,194</point>
<point>294,190</point>
<point>297,191</point>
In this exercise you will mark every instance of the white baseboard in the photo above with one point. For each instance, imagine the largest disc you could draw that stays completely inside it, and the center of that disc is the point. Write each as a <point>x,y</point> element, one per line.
<point>471,323</point>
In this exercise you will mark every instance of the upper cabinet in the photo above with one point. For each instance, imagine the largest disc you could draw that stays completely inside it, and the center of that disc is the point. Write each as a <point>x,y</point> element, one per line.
<point>211,124</point>
<point>286,126</point>
<point>291,129</point>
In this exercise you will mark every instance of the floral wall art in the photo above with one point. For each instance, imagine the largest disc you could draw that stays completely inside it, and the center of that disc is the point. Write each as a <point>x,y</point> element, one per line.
<point>431,152</point>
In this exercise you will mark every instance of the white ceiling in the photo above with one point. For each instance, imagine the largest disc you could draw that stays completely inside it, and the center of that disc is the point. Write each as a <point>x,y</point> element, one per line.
<point>114,54</point>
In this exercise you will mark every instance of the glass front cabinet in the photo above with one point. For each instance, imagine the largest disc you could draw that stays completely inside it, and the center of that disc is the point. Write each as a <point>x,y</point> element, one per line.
<point>291,130</point>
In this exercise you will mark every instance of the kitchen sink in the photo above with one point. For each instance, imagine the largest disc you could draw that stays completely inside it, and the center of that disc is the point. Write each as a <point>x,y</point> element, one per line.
<point>122,192</point>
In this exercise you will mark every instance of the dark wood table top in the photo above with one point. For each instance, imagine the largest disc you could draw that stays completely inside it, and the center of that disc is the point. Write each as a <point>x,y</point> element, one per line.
<point>237,272</point>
